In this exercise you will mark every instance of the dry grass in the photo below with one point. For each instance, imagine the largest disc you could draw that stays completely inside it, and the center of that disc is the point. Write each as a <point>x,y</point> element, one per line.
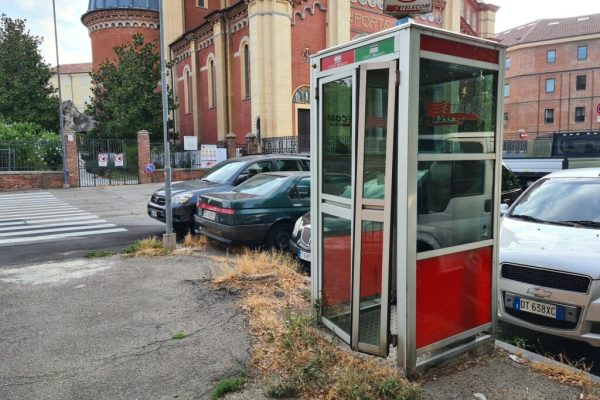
<point>568,376</point>
<point>149,247</point>
<point>191,244</point>
<point>290,350</point>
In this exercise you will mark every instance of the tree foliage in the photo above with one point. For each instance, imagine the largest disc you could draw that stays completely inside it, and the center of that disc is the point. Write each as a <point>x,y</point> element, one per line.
<point>26,94</point>
<point>126,93</point>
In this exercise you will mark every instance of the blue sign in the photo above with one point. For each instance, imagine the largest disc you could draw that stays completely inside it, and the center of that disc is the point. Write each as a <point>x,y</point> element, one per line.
<point>598,108</point>
<point>150,168</point>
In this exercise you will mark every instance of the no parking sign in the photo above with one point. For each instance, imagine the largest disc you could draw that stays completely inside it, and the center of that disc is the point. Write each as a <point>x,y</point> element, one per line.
<point>102,160</point>
<point>119,160</point>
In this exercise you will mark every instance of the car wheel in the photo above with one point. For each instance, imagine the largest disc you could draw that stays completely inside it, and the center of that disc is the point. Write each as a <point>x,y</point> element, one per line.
<point>279,236</point>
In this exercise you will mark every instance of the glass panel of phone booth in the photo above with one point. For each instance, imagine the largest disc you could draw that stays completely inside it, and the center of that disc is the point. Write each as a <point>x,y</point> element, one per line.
<point>374,161</point>
<point>336,132</point>
<point>457,114</point>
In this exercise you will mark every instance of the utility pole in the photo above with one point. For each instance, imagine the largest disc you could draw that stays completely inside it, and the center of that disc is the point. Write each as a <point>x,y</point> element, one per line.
<point>169,236</point>
<point>60,108</point>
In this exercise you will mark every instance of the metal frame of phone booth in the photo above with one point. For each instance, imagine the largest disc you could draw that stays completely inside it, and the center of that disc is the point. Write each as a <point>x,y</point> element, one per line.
<point>406,133</point>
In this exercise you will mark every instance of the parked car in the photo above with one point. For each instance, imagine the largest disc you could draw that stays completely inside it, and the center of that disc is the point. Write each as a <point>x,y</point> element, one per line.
<point>221,178</point>
<point>261,210</point>
<point>301,235</point>
<point>549,275</point>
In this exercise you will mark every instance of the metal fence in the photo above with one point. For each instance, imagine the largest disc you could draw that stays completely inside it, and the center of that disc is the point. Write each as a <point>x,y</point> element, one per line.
<point>286,145</point>
<point>36,156</point>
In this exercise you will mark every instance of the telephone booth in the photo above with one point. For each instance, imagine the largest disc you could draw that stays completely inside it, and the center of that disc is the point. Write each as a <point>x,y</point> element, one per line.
<point>406,133</point>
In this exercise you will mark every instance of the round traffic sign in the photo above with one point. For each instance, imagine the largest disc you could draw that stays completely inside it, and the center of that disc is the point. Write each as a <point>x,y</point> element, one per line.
<point>598,108</point>
<point>150,168</point>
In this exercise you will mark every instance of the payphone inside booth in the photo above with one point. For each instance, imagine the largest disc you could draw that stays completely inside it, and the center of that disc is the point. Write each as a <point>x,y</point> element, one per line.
<point>406,166</point>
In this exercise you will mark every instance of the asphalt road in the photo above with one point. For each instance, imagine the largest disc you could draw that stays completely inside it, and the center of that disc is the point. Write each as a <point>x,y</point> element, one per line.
<point>121,206</point>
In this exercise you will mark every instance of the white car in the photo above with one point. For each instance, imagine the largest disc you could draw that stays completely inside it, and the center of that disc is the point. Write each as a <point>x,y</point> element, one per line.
<point>549,275</point>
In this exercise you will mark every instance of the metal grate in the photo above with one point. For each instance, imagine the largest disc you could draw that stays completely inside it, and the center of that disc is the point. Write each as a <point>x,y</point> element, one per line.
<point>546,278</point>
<point>543,321</point>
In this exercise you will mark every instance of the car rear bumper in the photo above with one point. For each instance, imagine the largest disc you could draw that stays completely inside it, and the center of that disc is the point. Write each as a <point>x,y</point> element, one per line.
<point>231,234</point>
<point>181,215</point>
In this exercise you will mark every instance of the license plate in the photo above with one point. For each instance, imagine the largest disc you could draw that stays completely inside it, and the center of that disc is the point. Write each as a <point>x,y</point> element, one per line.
<point>209,215</point>
<point>303,255</point>
<point>539,308</point>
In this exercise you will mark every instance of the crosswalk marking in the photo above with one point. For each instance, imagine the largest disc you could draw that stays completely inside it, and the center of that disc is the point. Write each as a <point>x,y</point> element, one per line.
<point>39,217</point>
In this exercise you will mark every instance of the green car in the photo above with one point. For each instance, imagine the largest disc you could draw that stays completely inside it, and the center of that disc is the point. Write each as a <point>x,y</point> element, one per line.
<point>260,211</point>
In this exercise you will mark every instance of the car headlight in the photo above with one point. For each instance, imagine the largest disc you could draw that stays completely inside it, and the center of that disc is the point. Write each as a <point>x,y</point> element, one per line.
<point>183,198</point>
<point>299,225</point>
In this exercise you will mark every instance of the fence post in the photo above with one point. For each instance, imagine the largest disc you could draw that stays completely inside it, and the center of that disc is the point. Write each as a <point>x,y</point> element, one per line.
<point>143,146</point>
<point>251,143</point>
<point>231,145</point>
<point>72,158</point>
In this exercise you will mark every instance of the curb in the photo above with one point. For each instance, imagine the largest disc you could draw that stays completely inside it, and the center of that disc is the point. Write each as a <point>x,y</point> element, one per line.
<point>541,359</point>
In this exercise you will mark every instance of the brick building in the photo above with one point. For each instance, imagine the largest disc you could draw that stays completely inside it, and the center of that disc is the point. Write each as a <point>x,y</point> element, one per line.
<point>552,77</point>
<point>241,65</point>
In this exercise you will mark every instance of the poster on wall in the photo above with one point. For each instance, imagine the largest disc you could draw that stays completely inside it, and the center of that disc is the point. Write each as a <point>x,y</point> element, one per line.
<point>190,143</point>
<point>210,155</point>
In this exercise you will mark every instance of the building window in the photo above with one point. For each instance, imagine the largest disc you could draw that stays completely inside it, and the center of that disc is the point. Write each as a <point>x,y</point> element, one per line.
<point>579,114</point>
<point>245,71</point>
<point>505,116</point>
<point>551,56</point>
<point>187,89</point>
<point>550,85</point>
<point>581,82</point>
<point>549,115</point>
<point>582,53</point>
<point>212,84</point>
<point>506,89</point>
<point>201,3</point>
<point>507,63</point>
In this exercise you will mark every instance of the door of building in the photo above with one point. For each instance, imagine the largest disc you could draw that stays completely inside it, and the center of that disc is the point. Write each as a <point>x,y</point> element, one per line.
<point>355,224</point>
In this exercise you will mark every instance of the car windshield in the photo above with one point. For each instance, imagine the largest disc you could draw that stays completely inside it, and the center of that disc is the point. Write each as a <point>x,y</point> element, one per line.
<point>561,201</point>
<point>223,172</point>
<point>260,185</point>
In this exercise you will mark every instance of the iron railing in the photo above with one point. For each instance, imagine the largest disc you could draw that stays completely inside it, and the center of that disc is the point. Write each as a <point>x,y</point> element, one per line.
<point>36,156</point>
<point>286,145</point>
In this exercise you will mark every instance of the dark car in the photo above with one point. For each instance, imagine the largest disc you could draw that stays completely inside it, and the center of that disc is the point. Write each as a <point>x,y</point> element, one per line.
<point>221,178</point>
<point>261,210</point>
<point>301,235</point>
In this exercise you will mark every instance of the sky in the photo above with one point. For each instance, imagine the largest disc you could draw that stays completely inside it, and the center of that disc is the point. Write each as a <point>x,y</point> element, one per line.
<point>74,41</point>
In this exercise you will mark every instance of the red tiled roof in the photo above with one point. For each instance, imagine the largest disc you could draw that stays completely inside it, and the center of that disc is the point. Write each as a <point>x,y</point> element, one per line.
<point>74,68</point>
<point>550,29</point>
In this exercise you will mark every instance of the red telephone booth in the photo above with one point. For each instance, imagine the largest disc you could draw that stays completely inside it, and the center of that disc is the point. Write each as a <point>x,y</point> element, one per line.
<point>406,164</point>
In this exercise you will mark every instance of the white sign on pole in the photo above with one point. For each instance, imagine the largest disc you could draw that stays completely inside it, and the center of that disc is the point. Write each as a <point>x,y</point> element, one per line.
<point>401,8</point>
<point>119,160</point>
<point>190,143</point>
<point>208,155</point>
<point>103,160</point>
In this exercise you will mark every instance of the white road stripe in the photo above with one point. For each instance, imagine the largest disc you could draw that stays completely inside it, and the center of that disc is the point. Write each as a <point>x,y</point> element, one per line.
<point>27,218</point>
<point>66,211</point>
<point>70,223</point>
<point>32,207</point>
<point>54,210</point>
<point>10,196</point>
<point>37,220</point>
<point>32,203</point>
<point>59,236</point>
<point>75,228</point>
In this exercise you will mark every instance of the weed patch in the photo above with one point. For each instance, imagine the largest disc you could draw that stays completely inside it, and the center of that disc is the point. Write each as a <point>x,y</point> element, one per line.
<point>195,242</point>
<point>228,385</point>
<point>99,254</point>
<point>149,247</point>
<point>179,335</point>
<point>290,349</point>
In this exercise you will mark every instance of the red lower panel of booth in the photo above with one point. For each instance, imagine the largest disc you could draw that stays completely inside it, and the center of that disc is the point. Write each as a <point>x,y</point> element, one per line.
<point>454,294</point>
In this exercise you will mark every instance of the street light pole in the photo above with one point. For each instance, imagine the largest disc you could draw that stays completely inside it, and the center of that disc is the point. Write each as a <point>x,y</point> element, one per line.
<point>60,108</point>
<point>169,236</point>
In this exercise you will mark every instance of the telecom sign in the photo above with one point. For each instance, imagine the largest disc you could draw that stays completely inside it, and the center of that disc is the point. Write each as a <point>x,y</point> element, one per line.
<point>401,8</point>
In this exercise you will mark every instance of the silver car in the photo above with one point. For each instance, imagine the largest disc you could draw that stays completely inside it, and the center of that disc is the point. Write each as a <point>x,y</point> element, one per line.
<point>549,275</point>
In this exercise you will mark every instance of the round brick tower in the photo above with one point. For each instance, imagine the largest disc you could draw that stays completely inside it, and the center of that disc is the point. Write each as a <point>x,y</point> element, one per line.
<point>113,22</point>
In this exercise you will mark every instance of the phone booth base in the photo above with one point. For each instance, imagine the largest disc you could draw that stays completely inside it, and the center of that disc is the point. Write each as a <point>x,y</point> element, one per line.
<point>406,133</point>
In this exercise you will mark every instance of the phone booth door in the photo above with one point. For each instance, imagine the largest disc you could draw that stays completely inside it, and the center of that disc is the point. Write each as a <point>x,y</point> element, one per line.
<point>355,212</point>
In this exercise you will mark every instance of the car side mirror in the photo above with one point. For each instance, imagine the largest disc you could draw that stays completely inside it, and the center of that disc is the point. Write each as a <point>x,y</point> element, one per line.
<point>503,209</point>
<point>241,178</point>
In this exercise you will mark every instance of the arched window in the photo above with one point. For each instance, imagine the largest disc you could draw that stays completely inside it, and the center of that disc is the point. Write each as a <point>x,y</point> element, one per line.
<point>245,68</point>
<point>212,83</point>
<point>187,88</point>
